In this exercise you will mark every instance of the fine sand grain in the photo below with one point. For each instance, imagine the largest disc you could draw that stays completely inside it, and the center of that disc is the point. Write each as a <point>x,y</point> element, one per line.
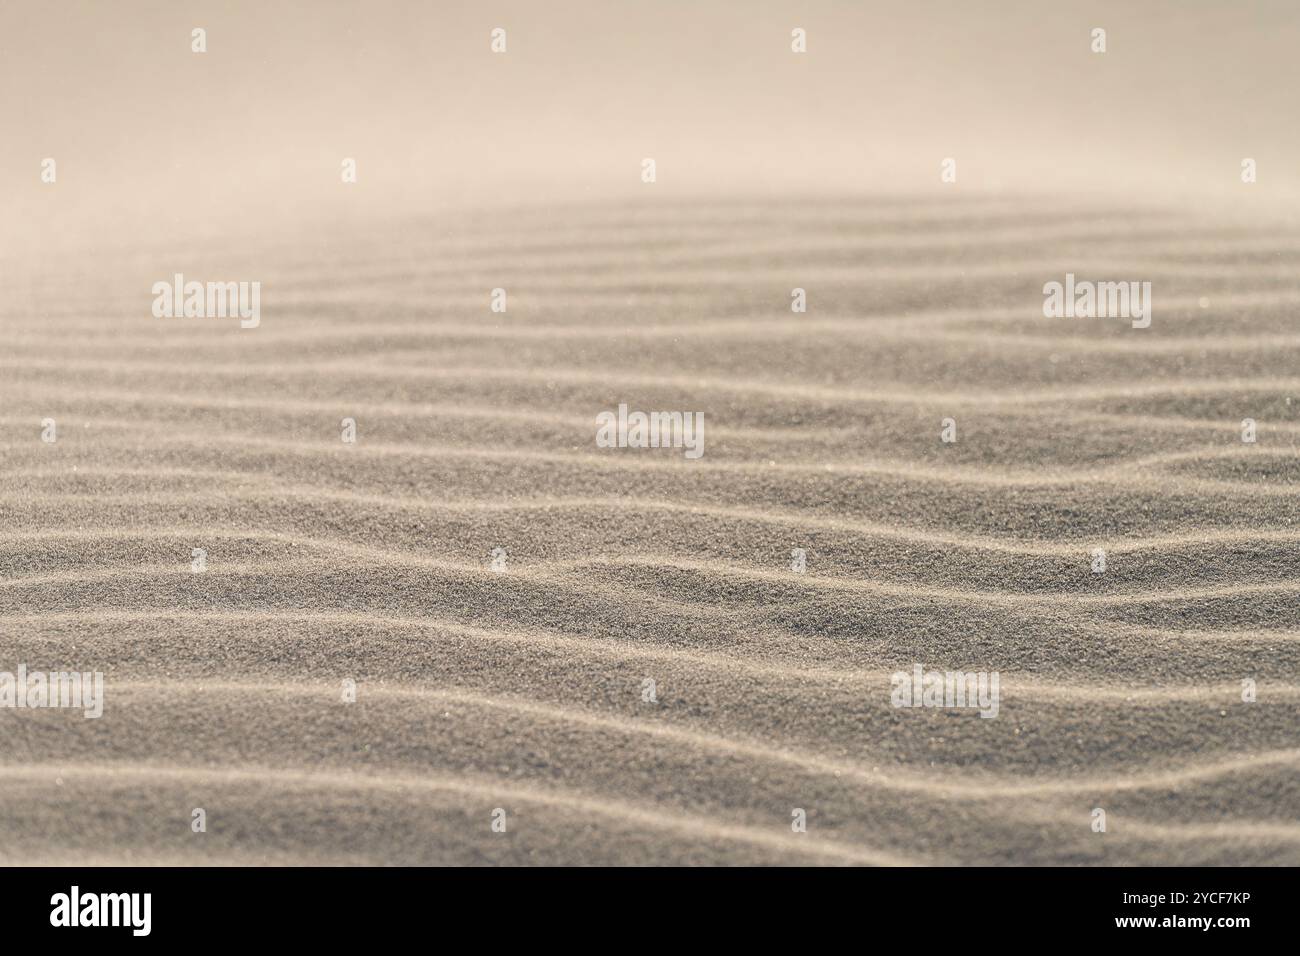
<point>523,690</point>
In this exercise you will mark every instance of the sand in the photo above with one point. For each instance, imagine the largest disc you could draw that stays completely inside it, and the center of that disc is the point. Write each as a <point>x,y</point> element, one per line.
<point>523,690</point>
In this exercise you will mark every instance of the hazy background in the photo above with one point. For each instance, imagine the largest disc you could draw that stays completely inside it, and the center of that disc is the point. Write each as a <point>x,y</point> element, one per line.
<point>148,135</point>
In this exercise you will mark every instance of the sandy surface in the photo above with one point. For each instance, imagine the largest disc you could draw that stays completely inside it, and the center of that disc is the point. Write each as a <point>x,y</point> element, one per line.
<point>523,690</point>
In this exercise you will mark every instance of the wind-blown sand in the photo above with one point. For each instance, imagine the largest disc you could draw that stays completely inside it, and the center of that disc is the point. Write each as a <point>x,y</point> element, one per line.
<point>523,690</point>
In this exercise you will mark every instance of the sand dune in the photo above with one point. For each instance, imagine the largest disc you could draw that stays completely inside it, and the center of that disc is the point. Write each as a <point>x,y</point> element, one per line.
<point>522,689</point>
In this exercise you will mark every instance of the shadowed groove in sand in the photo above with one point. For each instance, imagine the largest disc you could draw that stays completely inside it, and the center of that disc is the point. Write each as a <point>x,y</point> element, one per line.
<point>1022,687</point>
<point>564,801</point>
<point>776,329</point>
<point>867,529</point>
<point>551,571</point>
<point>1130,474</point>
<point>1014,397</point>
<point>580,421</point>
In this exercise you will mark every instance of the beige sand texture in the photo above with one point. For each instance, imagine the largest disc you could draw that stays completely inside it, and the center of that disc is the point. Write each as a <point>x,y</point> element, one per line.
<point>523,689</point>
